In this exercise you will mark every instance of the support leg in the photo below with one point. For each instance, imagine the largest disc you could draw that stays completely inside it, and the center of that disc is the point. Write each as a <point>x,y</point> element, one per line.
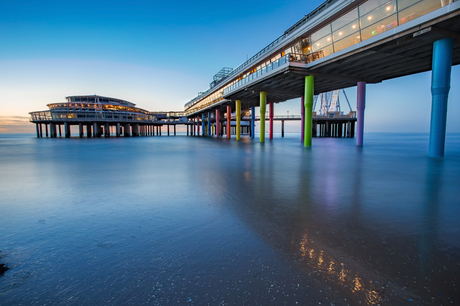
<point>282,128</point>
<point>253,122</point>
<point>270,115</point>
<point>67,130</point>
<point>209,124</point>
<point>202,125</point>
<point>302,120</point>
<point>263,103</point>
<point>309,89</point>
<point>238,119</point>
<point>88,131</point>
<point>229,120</point>
<point>360,107</point>
<point>217,123</point>
<point>440,86</point>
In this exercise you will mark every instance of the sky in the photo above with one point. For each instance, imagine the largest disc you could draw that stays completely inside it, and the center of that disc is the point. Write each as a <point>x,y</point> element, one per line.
<point>160,54</point>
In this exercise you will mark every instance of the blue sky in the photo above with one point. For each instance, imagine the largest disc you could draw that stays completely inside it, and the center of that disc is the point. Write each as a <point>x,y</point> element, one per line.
<point>160,54</point>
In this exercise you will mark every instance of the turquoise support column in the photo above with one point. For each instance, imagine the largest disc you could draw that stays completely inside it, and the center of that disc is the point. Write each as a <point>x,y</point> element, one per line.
<point>360,105</point>
<point>440,86</point>
<point>253,121</point>
<point>263,104</point>
<point>202,125</point>
<point>308,103</point>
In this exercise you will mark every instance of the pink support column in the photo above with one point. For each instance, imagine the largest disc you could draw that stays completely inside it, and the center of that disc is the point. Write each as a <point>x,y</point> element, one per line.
<point>198,125</point>
<point>270,115</point>
<point>229,120</point>
<point>217,123</point>
<point>302,121</point>
<point>361,101</point>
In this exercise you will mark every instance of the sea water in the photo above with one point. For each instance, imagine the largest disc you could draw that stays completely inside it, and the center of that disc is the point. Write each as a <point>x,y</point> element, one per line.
<point>197,221</point>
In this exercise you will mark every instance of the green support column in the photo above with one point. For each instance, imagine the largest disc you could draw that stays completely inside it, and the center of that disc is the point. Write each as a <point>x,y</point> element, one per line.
<point>309,83</point>
<point>263,103</point>
<point>238,119</point>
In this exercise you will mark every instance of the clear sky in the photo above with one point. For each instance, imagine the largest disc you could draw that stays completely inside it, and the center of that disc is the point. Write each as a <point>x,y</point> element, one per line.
<point>160,54</point>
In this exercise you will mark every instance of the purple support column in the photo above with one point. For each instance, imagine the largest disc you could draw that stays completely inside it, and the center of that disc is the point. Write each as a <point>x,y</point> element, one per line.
<point>198,125</point>
<point>217,123</point>
<point>270,116</point>
<point>302,121</point>
<point>361,101</point>
<point>229,121</point>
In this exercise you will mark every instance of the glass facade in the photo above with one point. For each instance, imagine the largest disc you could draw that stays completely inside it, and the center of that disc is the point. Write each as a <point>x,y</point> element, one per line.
<point>89,111</point>
<point>369,19</point>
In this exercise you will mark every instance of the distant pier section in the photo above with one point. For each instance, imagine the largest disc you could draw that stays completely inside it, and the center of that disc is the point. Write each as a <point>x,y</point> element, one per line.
<point>98,116</point>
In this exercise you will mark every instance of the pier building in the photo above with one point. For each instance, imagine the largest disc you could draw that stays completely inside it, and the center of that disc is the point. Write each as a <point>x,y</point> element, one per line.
<point>100,115</point>
<point>340,44</point>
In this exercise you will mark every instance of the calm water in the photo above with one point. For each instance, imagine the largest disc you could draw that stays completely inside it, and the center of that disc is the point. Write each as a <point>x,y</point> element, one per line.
<point>196,221</point>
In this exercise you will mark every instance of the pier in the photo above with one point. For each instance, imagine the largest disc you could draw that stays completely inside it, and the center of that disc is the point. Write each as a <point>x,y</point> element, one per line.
<point>340,44</point>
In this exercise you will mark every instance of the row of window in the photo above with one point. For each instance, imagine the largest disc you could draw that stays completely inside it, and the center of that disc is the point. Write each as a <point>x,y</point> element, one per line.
<point>45,116</point>
<point>363,22</point>
<point>96,106</point>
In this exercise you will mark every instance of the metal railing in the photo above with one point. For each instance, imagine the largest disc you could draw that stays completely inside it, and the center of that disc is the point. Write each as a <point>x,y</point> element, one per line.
<point>170,113</point>
<point>332,115</point>
<point>282,117</point>
<point>291,57</point>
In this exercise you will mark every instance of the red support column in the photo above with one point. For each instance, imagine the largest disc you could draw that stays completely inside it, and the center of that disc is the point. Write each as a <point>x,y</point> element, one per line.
<point>229,120</point>
<point>270,115</point>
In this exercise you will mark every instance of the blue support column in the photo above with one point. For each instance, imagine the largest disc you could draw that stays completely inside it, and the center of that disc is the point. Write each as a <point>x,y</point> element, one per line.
<point>253,121</point>
<point>202,124</point>
<point>440,86</point>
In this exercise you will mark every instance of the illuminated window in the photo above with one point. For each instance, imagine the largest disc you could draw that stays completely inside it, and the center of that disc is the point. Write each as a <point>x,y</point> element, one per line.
<point>379,13</point>
<point>411,9</point>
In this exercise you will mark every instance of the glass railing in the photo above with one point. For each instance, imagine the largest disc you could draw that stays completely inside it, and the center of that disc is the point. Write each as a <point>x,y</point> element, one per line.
<point>276,64</point>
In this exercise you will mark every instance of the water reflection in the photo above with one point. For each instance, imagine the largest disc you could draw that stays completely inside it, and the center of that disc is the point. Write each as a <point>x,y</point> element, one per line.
<point>231,222</point>
<point>330,214</point>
